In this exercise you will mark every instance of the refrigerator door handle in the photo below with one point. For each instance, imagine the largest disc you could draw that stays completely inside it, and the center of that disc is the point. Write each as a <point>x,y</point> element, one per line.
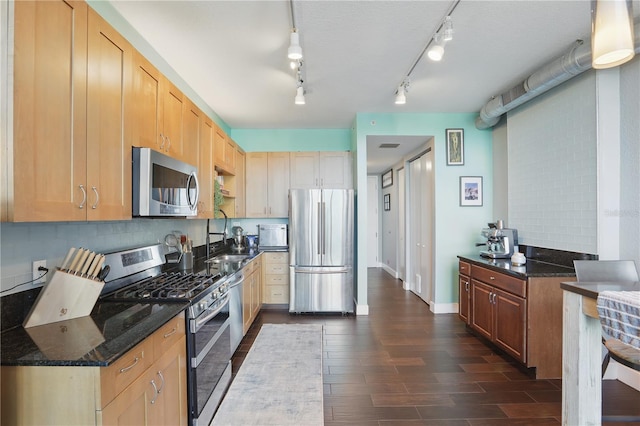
<point>317,272</point>
<point>319,229</point>
<point>324,225</point>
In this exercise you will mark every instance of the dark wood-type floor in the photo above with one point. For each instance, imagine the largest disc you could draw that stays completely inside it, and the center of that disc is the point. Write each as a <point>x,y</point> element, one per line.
<point>403,365</point>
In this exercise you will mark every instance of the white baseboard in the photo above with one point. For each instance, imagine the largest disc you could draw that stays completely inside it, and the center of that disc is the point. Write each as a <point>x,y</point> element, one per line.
<point>625,374</point>
<point>390,270</point>
<point>362,309</point>
<point>443,308</point>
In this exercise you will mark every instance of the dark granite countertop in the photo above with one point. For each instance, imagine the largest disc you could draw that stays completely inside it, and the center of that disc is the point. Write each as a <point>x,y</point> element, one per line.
<point>591,289</point>
<point>95,340</point>
<point>532,268</point>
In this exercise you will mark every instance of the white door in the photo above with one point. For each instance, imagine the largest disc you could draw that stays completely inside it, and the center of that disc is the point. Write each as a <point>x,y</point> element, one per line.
<point>415,234</point>
<point>402,263</point>
<point>373,200</point>
<point>427,228</point>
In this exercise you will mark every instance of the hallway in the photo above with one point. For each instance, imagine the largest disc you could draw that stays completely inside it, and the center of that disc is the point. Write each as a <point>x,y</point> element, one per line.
<point>403,365</point>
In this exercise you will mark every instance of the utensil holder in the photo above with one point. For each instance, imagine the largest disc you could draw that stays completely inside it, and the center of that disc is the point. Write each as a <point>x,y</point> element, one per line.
<point>65,296</point>
<point>186,261</point>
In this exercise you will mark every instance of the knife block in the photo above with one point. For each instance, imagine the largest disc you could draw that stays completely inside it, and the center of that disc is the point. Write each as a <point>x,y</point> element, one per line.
<point>65,296</point>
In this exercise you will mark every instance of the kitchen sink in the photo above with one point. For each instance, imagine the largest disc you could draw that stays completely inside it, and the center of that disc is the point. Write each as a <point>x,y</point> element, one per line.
<point>224,258</point>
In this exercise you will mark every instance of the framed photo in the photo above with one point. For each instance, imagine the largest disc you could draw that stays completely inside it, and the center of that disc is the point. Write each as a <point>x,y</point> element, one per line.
<point>387,202</point>
<point>387,178</point>
<point>470,191</point>
<point>455,147</point>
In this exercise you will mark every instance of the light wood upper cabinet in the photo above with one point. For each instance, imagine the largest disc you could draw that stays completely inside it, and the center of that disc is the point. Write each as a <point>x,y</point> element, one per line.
<point>49,159</point>
<point>109,89</point>
<point>71,155</point>
<point>160,109</point>
<point>240,183</point>
<point>147,92</point>
<point>267,184</point>
<point>192,116</point>
<point>225,152</point>
<point>331,169</point>
<point>205,168</point>
<point>172,120</point>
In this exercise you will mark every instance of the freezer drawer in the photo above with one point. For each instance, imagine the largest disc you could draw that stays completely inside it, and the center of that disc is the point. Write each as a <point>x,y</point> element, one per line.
<point>321,289</point>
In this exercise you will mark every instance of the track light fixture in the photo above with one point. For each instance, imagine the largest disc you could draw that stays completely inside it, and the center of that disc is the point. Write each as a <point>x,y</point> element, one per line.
<point>612,33</point>
<point>401,93</point>
<point>434,49</point>
<point>295,51</point>
<point>447,29</point>
<point>299,99</point>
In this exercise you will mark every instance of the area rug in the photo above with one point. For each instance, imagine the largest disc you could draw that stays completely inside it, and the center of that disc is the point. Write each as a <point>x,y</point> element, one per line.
<point>280,380</point>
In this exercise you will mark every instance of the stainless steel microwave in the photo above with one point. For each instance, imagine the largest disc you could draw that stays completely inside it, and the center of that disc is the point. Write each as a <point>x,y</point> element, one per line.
<point>163,186</point>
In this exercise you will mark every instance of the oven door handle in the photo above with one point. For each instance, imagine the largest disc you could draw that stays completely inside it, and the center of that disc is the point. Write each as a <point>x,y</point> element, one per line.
<point>201,320</point>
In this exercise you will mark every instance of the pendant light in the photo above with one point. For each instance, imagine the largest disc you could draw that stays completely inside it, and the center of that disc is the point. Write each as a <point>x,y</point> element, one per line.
<point>611,33</point>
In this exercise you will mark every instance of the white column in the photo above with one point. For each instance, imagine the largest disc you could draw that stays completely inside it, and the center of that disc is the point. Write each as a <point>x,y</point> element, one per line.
<point>608,125</point>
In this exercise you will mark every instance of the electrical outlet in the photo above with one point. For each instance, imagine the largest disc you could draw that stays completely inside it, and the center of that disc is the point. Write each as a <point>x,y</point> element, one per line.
<point>38,276</point>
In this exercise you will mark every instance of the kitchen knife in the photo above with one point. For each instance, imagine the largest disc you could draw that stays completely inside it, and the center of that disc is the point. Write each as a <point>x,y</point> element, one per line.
<point>67,258</point>
<point>87,263</point>
<point>98,271</point>
<point>75,261</point>
<point>85,254</point>
<point>93,268</point>
<point>103,274</point>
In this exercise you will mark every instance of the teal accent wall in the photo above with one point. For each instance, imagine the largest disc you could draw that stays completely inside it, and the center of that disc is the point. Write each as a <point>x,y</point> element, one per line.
<point>260,140</point>
<point>457,228</point>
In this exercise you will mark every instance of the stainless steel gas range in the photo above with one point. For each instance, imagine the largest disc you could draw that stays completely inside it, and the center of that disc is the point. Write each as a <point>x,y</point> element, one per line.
<point>136,275</point>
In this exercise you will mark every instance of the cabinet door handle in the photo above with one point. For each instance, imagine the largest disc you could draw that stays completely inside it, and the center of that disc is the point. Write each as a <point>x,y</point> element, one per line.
<point>466,286</point>
<point>493,300</point>
<point>161,378</point>
<point>95,205</point>
<point>155,389</point>
<point>161,142</point>
<point>171,333</point>
<point>135,361</point>
<point>84,197</point>
<point>490,294</point>
<point>168,143</point>
<point>492,278</point>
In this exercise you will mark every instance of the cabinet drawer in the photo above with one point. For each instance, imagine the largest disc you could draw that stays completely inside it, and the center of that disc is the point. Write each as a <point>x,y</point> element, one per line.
<point>505,282</point>
<point>276,269</point>
<point>276,279</point>
<point>168,334</point>
<point>115,378</point>
<point>277,294</point>
<point>464,268</point>
<point>277,257</point>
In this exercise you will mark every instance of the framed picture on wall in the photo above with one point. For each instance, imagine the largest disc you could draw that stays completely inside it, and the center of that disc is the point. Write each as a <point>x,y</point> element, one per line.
<point>455,147</point>
<point>387,178</point>
<point>387,202</point>
<point>471,191</point>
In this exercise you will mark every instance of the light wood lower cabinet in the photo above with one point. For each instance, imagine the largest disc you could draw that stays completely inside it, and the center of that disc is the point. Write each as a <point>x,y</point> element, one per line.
<point>251,292</point>
<point>276,278</point>
<point>523,317</point>
<point>146,386</point>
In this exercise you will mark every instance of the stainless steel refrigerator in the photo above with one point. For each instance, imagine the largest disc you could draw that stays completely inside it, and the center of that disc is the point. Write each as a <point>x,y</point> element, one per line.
<point>321,250</point>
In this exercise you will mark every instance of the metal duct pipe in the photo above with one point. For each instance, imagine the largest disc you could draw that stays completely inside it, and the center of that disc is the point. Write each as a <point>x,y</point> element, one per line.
<point>574,62</point>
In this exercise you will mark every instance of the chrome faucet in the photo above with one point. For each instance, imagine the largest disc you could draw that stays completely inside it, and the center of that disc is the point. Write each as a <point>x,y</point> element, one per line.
<point>223,233</point>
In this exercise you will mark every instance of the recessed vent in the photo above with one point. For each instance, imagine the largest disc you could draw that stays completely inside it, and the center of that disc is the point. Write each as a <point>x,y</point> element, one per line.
<point>389,145</point>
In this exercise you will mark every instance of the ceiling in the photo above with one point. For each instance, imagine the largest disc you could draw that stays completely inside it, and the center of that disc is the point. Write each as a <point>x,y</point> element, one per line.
<point>356,53</point>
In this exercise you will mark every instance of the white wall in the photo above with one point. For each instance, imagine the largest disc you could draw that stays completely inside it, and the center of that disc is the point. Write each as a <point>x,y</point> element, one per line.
<point>552,178</point>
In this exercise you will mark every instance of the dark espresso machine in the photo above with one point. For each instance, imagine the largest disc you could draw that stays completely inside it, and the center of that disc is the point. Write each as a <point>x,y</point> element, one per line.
<point>501,242</point>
